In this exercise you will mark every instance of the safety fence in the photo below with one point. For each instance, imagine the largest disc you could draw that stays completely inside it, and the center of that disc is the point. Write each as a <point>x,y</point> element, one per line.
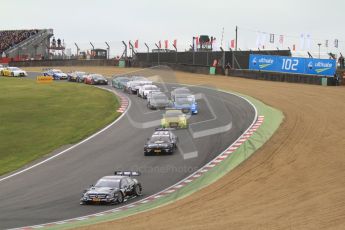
<point>236,59</point>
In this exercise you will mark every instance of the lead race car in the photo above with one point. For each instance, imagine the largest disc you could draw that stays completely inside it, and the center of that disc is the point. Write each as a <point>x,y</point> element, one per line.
<point>113,189</point>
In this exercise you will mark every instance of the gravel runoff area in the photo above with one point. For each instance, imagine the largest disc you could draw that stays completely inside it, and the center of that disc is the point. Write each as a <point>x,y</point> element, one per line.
<point>295,181</point>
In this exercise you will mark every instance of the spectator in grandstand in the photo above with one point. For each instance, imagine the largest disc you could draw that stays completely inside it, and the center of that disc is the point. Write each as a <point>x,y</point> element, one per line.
<point>10,38</point>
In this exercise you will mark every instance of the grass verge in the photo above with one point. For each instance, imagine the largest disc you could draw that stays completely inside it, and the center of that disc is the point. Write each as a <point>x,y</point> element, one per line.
<point>36,119</point>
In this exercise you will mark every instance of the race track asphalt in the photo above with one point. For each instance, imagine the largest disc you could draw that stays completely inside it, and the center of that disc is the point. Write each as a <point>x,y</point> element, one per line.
<point>51,191</point>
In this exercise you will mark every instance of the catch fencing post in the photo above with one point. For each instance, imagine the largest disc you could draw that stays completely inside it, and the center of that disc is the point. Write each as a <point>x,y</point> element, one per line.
<point>108,49</point>
<point>77,50</point>
<point>148,53</point>
<point>175,51</point>
<point>125,50</point>
<point>159,50</point>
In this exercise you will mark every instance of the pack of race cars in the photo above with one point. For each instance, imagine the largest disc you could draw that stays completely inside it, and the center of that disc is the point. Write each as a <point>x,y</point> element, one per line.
<point>177,105</point>
<point>77,76</point>
<point>114,189</point>
<point>180,104</point>
<point>180,98</point>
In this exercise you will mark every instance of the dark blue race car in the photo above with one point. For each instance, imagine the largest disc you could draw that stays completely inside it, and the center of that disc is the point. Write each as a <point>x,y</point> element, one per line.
<point>56,74</point>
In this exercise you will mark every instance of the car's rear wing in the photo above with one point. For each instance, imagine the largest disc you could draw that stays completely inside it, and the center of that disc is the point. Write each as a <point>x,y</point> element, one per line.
<point>127,173</point>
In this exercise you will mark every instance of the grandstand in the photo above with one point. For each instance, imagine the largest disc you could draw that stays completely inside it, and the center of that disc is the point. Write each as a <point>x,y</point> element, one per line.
<point>25,44</point>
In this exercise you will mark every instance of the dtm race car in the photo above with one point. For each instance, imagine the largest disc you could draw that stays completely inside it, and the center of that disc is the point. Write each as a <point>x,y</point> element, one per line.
<point>81,78</point>
<point>56,74</point>
<point>74,76</point>
<point>120,82</point>
<point>161,141</point>
<point>174,118</point>
<point>186,103</point>
<point>95,79</point>
<point>112,189</point>
<point>144,90</point>
<point>158,101</point>
<point>13,72</point>
<point>177,91</point>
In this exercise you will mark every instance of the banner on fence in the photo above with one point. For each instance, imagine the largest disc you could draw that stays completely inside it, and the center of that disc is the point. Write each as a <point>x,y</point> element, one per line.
<point>324,67</point>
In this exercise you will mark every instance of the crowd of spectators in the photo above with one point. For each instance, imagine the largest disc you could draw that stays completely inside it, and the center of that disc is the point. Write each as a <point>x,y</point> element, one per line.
<point>9,38</point>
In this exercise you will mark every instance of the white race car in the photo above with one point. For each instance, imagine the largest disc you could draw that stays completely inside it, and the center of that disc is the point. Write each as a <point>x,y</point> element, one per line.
<point>151,94</point>
<point>133,86</point>
<point>144,90</point>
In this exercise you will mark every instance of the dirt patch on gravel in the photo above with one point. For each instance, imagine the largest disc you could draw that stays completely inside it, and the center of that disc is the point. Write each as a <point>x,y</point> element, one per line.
<point>295,181</point>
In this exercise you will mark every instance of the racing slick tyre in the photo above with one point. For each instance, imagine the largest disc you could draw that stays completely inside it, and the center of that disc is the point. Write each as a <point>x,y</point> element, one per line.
<point>120,198</point>
<point>137,190</point>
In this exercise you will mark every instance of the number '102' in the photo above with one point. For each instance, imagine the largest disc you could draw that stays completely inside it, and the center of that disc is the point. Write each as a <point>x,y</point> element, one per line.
<point>290,64</point>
